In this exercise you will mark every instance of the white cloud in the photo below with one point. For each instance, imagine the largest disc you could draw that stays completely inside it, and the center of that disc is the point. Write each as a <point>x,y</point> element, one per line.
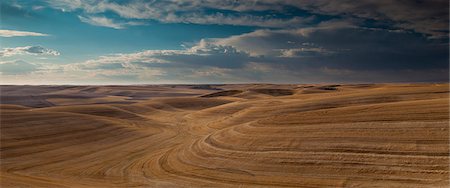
<point>259,67</point>
<point>107,22</point>
<point>31,50</point>
<point>211,71</point>
<point>202,54</point>
<point>17,67</point>
<point>240,20</point>
<point>14,33</point>
<point>173,12</point>
<point>305,52</point>
<point>104,22</point>
<point>37,8</point>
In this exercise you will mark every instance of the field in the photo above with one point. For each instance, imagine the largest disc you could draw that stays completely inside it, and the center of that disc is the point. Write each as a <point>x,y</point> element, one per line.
<point>248,135</point>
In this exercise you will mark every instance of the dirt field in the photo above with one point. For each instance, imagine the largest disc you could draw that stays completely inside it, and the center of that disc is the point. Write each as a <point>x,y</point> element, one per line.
<point>381,135</point>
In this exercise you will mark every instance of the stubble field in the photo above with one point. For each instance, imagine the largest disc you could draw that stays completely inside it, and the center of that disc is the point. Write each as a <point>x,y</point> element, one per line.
<point>248,135</point>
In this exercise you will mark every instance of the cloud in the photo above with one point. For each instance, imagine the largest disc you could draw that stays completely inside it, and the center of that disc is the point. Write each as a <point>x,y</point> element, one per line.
<point>31,50</point>
<point>101,21</point>
<point>291,41</point>
<point>348,47</point>
<point>285,42</point>
<point>37,8</point>
<point>181,12</point>
<point>332,51</point>
<point>202,54</point>
<point>17,67</point>
<point>427,17</point>
<point>13,33</point>
<point>107,22</point>
<point>305,52</point>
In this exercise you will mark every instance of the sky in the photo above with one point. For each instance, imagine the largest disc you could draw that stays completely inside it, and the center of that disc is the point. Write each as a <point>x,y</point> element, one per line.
<point>87,42</point>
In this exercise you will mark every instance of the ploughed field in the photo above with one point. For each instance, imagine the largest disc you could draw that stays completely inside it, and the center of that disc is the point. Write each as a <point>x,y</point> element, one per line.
<point>252,135</point>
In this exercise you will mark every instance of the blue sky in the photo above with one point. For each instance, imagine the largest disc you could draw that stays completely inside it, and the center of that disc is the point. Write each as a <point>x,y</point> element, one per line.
<point>207,41</point>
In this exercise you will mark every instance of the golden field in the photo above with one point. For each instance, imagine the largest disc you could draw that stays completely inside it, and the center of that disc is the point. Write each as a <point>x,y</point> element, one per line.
<point>249,135</point>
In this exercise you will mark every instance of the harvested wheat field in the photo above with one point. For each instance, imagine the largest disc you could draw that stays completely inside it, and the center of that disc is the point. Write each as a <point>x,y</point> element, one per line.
<point>249,135</point>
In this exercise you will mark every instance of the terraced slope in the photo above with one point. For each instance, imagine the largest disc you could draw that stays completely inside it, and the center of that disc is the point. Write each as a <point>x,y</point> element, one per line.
<point>282,136</point>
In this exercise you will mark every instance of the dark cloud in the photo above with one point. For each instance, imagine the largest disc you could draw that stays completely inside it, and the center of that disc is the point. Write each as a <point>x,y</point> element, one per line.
<point>353,48</point>
<point>429,17</point>
<point>366,49</point>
